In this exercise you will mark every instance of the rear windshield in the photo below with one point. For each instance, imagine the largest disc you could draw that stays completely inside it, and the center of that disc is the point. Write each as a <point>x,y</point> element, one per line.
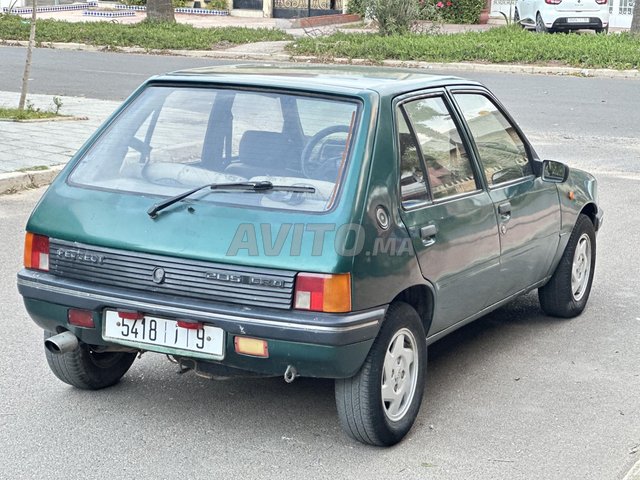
<point>172,139</point>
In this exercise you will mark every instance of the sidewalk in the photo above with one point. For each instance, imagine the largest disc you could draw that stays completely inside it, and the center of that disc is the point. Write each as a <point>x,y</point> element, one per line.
<point>31,146</point>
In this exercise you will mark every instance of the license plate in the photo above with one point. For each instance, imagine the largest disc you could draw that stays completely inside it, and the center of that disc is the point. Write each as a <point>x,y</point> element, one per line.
<point>164,335</point>
<point>578,20</point>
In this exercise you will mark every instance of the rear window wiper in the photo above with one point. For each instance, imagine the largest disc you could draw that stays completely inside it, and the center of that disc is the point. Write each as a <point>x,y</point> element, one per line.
<point>261,186</point>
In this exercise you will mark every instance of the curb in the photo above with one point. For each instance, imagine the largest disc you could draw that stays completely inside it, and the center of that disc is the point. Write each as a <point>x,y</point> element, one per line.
<point>60,118</point>
<point>240,55</point>
<point>634,473</point>
<point>13,182</point>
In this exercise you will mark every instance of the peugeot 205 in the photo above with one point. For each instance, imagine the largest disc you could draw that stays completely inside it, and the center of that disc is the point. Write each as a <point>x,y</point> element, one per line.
<point>300,221</point>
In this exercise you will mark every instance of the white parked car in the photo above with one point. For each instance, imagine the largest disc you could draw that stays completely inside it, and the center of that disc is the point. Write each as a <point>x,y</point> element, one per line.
<point>563,15</point>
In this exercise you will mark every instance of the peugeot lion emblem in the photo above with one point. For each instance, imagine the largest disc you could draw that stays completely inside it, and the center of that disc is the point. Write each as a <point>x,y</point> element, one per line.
<point>158,275</point>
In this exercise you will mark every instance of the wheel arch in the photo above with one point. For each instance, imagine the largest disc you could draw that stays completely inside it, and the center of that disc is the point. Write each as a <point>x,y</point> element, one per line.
<point>591,211</point>
<point>422,299</point>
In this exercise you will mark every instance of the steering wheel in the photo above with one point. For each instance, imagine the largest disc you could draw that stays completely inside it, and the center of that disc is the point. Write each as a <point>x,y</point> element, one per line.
<point>316,165</point>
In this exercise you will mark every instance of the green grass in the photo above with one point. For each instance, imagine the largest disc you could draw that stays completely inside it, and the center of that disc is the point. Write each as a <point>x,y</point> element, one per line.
<point>160,36</point>
<point>498,45</point>
<point>26,114</point>
<point>37,168</point>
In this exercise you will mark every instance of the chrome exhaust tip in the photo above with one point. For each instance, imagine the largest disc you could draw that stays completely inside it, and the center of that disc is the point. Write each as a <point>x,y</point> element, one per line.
<point>64,342</point>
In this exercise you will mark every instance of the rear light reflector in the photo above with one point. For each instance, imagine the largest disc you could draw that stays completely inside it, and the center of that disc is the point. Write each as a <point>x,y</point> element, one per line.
<point>36,252</point>
<point>190,325</point>
<point>130,315</point>
<point>321,292</point>
<point>251,346</point>
<point>80,318</point>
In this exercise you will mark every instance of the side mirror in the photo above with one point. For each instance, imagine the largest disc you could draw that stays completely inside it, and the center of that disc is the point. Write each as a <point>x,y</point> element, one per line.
<point>554,172</point>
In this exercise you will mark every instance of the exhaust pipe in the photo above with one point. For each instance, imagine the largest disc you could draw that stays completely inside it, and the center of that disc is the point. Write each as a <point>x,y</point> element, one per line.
<point>290,374</point>
<point>64,342</point>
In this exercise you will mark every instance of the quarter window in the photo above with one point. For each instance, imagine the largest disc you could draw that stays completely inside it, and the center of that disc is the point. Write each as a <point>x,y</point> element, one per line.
<point>448,166</point>
<point>413,188</point>
<point>501,150</point>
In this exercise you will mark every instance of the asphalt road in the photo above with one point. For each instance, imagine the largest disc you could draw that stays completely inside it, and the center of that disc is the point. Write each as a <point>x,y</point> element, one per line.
<point>515,395</point>
<point>589,121</point>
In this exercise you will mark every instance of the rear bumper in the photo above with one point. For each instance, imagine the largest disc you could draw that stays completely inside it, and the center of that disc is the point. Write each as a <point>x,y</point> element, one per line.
<point>564,23</point>
<point>317,344</point>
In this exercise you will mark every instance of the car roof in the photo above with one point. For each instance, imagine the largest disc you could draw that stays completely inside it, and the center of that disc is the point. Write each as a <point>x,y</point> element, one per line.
<point>338,78</point>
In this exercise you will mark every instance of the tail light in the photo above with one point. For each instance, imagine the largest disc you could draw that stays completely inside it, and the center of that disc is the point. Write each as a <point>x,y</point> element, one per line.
<point>323,292</point>
<point>602,2</point>
<point>553,2</point>
<point>36,252</point>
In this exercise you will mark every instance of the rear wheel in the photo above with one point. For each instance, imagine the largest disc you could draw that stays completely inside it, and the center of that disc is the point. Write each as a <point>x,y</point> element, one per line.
<point>604,30</point>
<point>540,26</point>
<point>379,405</point>
<point>83,368</point>
<point>567,293</point>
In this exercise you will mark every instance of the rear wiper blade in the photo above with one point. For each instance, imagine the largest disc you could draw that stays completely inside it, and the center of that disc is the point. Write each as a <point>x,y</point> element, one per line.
<point>261,186</point>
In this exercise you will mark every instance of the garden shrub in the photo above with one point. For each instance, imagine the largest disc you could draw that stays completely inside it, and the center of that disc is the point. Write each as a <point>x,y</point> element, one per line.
<point>393,16</point>
<point>357,7</point>
<point>459,11</point>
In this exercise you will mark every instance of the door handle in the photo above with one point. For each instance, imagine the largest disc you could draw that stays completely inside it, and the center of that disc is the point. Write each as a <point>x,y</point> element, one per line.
<point>427,234</point>
<point>504,209</point>
<point>428,231</point>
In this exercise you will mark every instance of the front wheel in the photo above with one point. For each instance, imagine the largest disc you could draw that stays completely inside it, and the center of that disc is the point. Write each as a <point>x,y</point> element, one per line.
<point>540,26</point>
<point>516,18</point>
<point>566,294</point>
<point>379,405</point>
<point>88,370</point>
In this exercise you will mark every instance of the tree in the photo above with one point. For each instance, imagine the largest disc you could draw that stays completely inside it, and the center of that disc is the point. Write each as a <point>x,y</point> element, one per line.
<point>27,65</point>
<point>635,20</point>
<point>160,11</point>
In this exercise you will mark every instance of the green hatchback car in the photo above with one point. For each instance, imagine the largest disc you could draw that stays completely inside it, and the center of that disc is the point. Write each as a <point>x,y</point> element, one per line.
<point>301,221</point>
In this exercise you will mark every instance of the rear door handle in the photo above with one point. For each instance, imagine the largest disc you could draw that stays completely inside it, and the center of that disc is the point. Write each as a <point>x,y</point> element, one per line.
<point>427,234</point>
<point>428,231</point>
<point>504,209</point>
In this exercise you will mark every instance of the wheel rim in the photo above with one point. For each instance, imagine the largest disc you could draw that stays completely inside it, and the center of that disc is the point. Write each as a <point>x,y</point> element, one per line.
<point>539,24</point>
<point>581,268</point>
<point>399,374</point>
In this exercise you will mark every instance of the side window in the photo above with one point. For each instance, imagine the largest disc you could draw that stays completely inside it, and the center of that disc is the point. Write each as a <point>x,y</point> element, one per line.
<point>413,189</point>
<point>448,166</point>
<point>502,152</point>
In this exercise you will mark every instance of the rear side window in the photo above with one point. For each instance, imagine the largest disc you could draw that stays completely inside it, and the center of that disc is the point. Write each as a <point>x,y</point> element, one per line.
<point>413,188</point>
<point>501,150</point>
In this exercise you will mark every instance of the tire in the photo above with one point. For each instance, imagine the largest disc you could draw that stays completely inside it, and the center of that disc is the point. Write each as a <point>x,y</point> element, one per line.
<point>604,30</point>
<point>516,18</point>
<point>88,370</point>
<point>540,26</point>
<point>363,414</point>
<point>567,293</point>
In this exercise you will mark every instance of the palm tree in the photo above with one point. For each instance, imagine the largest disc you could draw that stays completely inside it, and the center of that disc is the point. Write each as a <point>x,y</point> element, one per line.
<point>635,21</point>
<point>160,11</point>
